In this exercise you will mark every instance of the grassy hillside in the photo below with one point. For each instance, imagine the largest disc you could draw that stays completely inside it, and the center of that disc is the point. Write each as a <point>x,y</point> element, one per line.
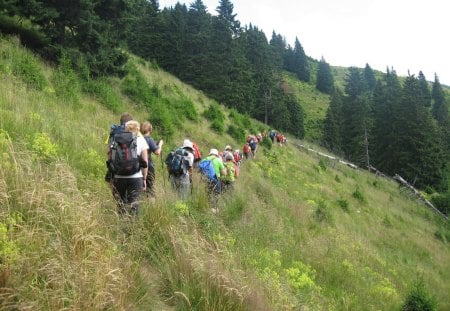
<point>298,233</point>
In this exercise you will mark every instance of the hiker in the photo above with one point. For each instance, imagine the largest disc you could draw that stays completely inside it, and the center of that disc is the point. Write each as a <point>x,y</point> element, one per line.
<point>246,149</point>
<point>237,155</point>
<point>213,168</point>
<point>272,135</point>
<point>128,161</point>
<point>179,165</point>
<point>227,150</point>
<point>115,129</point>
<point>253,143</point>
<point>232,173</point>
<point>154,148</point>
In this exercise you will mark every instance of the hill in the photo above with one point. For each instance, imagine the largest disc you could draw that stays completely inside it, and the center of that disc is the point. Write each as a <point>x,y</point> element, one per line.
<point>298,232</point>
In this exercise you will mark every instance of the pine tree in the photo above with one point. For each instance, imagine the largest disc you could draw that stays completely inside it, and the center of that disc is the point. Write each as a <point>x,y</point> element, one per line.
<point>324,82</point>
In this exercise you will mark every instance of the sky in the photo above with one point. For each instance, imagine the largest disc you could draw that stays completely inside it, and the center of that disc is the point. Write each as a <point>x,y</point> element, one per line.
<point>404,35</point>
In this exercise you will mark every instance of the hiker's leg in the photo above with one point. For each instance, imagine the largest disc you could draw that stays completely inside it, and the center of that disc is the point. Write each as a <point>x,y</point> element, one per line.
<point>134,191</point>
<point>120,193</point>
<point>151,181</point>
<point>185,187</point>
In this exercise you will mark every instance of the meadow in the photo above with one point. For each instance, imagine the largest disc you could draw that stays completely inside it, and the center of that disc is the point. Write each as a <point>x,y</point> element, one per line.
<point>300,232</point>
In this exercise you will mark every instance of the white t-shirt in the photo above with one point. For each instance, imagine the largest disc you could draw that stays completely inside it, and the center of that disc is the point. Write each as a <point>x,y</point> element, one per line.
<point>141,145</point>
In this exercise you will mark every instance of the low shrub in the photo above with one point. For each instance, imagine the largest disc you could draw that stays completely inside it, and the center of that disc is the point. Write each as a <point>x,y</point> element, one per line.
<point>419,299</point>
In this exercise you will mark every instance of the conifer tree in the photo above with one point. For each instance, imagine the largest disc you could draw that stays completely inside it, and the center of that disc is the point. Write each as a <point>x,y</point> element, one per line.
<point>440,111</point>
<point>331,138</point>
<point>440,106</point>
<point>384,142</point>
<point>356,117</point>
<point>278,45</point>
<point>425,94</point>
<point>369,77</point>
<point>420,156</point>
<point>324,82</point>
<point>300,65</point>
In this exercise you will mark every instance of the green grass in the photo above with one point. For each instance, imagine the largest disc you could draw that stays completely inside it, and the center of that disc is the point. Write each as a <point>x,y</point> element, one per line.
<point>298,232</point>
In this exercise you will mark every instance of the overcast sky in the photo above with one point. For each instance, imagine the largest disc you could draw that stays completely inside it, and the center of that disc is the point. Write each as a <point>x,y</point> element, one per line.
<point>404,35</point>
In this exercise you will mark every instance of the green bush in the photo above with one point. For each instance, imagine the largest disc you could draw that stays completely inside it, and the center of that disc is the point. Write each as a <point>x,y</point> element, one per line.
<point>135,86</point>
<point>163,121</point>
<point>419,299</point>
<point>442,202</point>
<point>343,204</point>
<point>27,68</point>
<point>102,90</point>
<point>359,195</point>
<point>236,132</point>
<point>66,83</point>
<point>323,213</point>
<point>184,108</point>
<point>214,113</point>
<point>218,126</point>
<point>266,142</point>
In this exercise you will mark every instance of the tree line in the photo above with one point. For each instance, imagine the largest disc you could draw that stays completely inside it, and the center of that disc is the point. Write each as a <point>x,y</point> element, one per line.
<point>398,128</point>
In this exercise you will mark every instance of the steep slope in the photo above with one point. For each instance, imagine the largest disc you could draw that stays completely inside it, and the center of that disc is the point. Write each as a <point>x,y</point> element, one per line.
<point>298,232</point>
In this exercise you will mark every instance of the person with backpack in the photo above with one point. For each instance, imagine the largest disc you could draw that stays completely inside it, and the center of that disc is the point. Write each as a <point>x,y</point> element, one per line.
<point>212,169</point>
<point>154,148</point>
<point>179,165</point>
<point>232,173</point>
<point>237,155</point>
<point>272,135</point>
<point>115,129</point>
<point>253,143</point>
<point>128,162</point>
<point>246,149</point>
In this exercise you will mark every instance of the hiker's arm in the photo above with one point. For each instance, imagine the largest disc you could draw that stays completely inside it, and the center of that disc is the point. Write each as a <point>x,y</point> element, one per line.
<point>144,156</point>
<point>158,151</point>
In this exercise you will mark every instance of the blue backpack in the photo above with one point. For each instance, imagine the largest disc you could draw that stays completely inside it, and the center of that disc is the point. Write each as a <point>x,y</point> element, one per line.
<point>176,162</point>
<point>206,168</point>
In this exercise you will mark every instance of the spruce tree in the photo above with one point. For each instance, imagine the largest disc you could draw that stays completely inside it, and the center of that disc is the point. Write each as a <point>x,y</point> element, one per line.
<point>420,156</point>
<point>324,82</point>
<point>384,142</point>
<point>425,94</point>
<point>369,77</point>
<point>300,65</point>
<point>331,138</point>
<point>356,117</point>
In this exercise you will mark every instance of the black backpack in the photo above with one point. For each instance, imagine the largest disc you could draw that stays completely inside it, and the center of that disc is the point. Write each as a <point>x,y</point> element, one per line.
<point>124,156</point>
<point>177,162</point>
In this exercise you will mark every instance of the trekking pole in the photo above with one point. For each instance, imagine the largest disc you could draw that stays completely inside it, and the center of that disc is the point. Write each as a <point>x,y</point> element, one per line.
<point>162,167</point>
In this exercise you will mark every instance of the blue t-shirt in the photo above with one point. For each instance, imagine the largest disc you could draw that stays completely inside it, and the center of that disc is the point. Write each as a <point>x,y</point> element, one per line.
<point>152,147</point>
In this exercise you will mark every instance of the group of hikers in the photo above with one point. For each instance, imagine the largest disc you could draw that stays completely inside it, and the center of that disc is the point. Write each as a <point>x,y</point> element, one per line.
<point>131,169</point>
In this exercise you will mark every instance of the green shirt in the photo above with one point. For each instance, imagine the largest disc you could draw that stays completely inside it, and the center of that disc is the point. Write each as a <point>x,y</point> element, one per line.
<point>217,163</point>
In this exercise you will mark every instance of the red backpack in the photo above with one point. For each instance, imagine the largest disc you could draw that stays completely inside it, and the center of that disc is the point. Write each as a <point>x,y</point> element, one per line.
<point>237,156</point>
<point>197,152</point>
<point>246,149</point>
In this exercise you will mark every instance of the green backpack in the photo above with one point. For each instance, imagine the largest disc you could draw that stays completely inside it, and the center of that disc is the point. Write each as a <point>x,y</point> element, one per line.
<point>229,166</point>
